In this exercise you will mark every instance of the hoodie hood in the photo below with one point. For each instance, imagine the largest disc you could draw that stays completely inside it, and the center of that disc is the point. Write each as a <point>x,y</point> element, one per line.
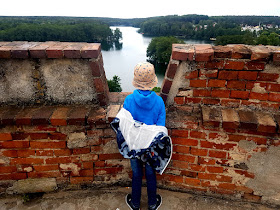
<point>144,101</point>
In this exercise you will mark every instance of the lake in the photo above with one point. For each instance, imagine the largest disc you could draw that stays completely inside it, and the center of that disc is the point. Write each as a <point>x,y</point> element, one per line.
<point>122,62</point>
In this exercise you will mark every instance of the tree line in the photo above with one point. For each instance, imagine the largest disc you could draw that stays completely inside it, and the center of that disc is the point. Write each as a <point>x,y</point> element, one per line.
<point>66,29</point>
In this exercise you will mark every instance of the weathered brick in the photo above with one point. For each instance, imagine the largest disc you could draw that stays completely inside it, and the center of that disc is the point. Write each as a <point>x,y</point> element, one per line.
<point>14,144</point>
<point>59,116</point>
<point>265,123</point>
<point>171,69</point>
<point>248,75</point>
<point>248,120</point>
<point>230,118</point>
<point>180,133</point>
<point>234,65</point>
<point>211,101</point>
<point>73,50</point>
<point>217,154</point>
<point>166,86</point>
<point>239,94</point>
<point>42,115</point>
<point>182,52</point>
<point>39,51</point>
<point>274,97</point>
<point>5,51</point>
<point>181,149</point>
<point>220,93</point>
<point>198,152</point>
<point>192,74</point>
<point>184,141</point>
<point>222,51</point>
<point>272,77</point>
<point>47,144</point>
<point>203,52</point>
<point>24,117</point>
<point>8,118</point>
<point>240,51</point>
<point>236,84</point>
<point>198,83</point>
<point>258,96</point>
<point>273,87</point>
<point>198,134</point>
<point>78,115</point>
<point>208,73</point>
<point>21,50</point>
<point>215,64</point>
<point>254,65</point>
<point>56,50</point>
<point>260,53</point>
<point>201,93</point>
<point>216,83</point>
<point>228,75</point>
<point>5,136</point>
<point>211,117</point>
<point>90,50</point>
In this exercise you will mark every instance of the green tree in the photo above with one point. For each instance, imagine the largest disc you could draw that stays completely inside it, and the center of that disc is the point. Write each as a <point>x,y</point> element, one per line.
<point>160,48</point>
<point>114,84</point>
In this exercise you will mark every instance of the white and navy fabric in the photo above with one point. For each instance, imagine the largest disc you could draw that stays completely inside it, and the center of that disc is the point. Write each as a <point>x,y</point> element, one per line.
<point>149,143</point>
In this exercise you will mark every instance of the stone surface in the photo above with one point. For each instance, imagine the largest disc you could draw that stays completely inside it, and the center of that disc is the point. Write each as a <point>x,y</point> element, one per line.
<point>33,185</point>
<point>68,81</point>
<point>113,198</point>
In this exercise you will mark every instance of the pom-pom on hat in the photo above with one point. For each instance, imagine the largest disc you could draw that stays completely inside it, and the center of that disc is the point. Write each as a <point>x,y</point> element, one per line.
<point>144,76</point>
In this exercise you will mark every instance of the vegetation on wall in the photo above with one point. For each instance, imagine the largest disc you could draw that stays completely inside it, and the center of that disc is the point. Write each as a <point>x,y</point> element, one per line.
<point>115,84</point>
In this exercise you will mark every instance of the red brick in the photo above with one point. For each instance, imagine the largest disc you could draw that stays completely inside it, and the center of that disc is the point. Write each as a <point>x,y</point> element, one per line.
<point>26,153</point>
<point>57,160</point>
<point>192,100</point>
<point>227,186</point>
<point>42,115</point>
<point>38,135</point>
<point>211,101</point>
<point>173,178</point>
<point>215,64</point>
<point>62,152</point>
<point>199,152</point>
<point>240,51</point>
<point>192,74</point>
<point>236,84</point>
<point>183,157</point>
<point>272,77</point>
<point>13,176</point>
<point>110,156</point>
<point>259,96</point>
<point>25,116</point>
<point>216,83</point>
<point>179,164</point>
<point>257,140</point>
<point>250,85</point>
<point>46,167</point>
<point>245,173</point>
<point>217,154</point>
<point>239,94</point>
<point>182,52</point>
<point>276,56</point>
<point>203,52</point>
<point>185,141</point>
<point>181,149</point>
<point>5,51</point>
<point>166,86</point>
<point>254,65</point>
<point>49,144</point>
<point>23,161</point>
<point>198,83</point>
<point>222,51</point>
<point>46,174</point>
<point>273,87</point>
<point>248,120</point>
<point>215,169</point>
<point>201,93</point>
<point>234,65</point>
<point>220,93</point>
<point>206,161</point>
<point>44,152</point>
<point>14,144</point>
<point>21,50</point>
<point>248,75</point>
<point>59,116</point>
<point>274,97</point>
<point>91,50</point>
<point>9,153</point>
<point>180,133</point>
<point>208,73</point>
<point>191,181</point>
<point>236,138</point>
<point>77,115</point>
<point>56,50</point>
<point>228,75</point>
<point>171,69</point>
<point>250,197</point>
<point>39,51</point>
<point>179,100</point>
<point>230,102</point>
<point>5,136</point>
<point>207,176</point>
<point>7,169</point>
<point>81,151</point>
<point>57,136</point>
<point>198,134</point>
<point>73,50</point>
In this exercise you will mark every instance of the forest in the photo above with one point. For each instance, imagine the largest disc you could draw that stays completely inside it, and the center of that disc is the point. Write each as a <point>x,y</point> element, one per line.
<point>223,29</point>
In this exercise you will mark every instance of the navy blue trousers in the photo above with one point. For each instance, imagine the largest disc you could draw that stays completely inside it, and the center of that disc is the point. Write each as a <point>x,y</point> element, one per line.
<point>137,174</point>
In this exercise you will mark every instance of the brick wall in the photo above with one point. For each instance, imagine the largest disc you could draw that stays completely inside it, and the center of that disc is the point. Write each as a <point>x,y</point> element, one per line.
<point>222,114</point>
<point>223,117</point>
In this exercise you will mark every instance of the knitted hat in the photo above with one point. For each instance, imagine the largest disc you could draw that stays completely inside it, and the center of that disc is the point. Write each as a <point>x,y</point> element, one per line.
<point>144,76</point>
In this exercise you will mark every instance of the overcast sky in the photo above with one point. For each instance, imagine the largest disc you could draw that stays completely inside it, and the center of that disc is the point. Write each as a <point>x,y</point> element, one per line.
<point>137,9</point>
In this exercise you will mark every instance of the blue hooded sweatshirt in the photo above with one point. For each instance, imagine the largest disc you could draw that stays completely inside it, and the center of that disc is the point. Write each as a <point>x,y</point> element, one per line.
<point>146,106</point>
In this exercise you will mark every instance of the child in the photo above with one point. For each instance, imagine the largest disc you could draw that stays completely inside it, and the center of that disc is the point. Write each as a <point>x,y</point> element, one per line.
<point>147,107</point>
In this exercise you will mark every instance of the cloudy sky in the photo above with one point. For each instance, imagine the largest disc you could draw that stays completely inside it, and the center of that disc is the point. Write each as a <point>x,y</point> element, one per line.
<point>137,9</point>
